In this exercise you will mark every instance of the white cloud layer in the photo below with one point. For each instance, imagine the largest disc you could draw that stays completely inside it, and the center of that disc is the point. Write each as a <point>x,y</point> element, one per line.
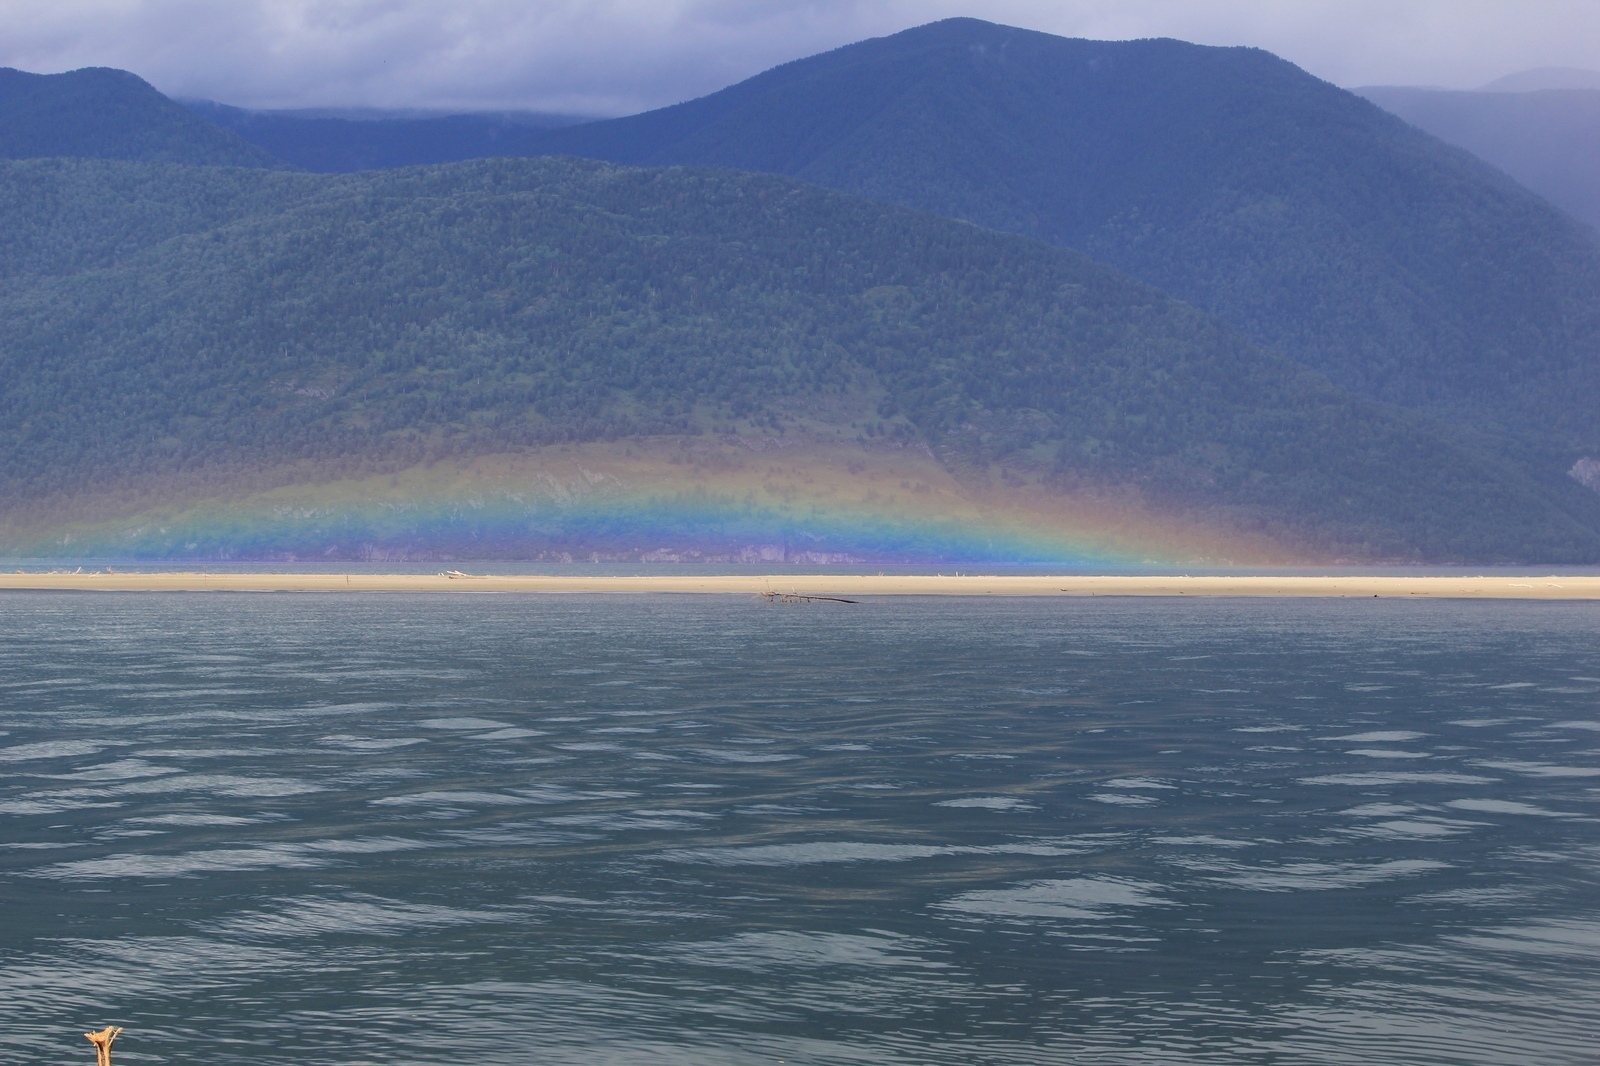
<point>619,56</point>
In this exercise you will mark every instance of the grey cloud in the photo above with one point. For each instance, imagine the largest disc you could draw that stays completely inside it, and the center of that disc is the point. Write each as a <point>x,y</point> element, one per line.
<point>619,56</point>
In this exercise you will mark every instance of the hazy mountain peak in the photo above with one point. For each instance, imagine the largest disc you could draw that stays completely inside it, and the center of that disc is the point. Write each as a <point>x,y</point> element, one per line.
<point>1526,81</point>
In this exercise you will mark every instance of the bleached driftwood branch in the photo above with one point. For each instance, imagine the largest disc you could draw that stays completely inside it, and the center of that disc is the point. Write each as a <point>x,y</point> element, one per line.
<point>102,1043</point>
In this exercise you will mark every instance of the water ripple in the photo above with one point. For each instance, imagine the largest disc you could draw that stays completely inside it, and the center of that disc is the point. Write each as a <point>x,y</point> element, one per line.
<point>684,830</point>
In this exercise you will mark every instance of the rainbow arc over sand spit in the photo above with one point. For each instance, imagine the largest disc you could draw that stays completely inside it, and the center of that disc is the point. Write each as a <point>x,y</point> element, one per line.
<point>684,501</point>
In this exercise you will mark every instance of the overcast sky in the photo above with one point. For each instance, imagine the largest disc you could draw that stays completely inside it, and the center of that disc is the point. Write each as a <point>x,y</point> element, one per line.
<point>620,56</point>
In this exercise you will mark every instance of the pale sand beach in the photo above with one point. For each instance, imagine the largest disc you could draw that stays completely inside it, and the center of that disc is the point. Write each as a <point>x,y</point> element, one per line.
<point>1586,587</point>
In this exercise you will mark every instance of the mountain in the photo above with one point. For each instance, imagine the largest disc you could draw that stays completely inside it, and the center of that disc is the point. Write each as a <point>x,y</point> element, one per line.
<point>1549,139</point>
<point>102,113</point>
<point>1544,78</point>
<point>340,142</point>
<point>1404,269</point>
<point>179,337</point>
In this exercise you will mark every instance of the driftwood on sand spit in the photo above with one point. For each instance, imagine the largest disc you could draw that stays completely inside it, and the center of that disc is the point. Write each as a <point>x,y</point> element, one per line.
<point>796,597</point>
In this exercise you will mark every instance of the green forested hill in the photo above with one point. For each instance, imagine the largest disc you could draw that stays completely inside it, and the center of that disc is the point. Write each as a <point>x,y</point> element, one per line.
<point>101,113</point>
<point>63,216</point>
<point>1404,269</point>
<point>196,317</point>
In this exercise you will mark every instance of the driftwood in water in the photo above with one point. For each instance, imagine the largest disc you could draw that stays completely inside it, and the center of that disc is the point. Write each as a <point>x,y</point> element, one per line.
<point>795,597</point>
<point>102,1043</point>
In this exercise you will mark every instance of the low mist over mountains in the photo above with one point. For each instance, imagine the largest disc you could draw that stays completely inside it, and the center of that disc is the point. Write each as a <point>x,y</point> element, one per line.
<point>186,315</point>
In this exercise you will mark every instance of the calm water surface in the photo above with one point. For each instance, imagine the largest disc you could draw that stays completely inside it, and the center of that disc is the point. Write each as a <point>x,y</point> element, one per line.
<point>492,829</point>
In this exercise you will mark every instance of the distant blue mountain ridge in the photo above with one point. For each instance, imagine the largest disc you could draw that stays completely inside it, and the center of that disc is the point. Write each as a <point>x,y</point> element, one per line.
<point>1548,139</point>
<point>334,141</point>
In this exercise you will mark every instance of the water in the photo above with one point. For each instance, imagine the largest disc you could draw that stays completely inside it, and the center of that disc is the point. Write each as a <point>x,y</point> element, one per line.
<point>408,829</point>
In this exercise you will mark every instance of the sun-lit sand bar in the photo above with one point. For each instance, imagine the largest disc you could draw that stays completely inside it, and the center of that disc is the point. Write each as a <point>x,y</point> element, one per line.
<point>1562,587</point>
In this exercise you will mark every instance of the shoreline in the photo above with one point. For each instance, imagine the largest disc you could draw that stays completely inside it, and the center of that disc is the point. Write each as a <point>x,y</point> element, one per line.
<point>1584,587</point>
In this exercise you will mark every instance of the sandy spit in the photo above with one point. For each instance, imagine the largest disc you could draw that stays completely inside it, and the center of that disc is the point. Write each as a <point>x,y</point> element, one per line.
<point>843,585</point>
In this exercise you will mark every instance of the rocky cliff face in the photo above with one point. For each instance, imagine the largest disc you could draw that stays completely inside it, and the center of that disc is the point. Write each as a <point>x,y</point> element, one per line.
<point>1586,472</point>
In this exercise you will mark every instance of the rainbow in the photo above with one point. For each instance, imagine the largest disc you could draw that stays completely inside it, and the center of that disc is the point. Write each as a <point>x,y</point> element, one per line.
<point>678,501</point>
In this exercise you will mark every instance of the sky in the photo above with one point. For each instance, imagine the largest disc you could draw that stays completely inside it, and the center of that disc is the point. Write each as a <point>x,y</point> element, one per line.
<point>612,57</point>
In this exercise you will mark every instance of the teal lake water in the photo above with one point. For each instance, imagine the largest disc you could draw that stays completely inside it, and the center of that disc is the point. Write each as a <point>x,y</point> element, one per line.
<point>304,829</point>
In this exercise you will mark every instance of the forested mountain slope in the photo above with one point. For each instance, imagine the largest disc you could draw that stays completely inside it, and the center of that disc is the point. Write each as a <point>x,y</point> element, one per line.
<point>1403,268</point>
<point>198,317</point>
<point>66,216</point>
<point>1549,139</point>
<point>101,113</point>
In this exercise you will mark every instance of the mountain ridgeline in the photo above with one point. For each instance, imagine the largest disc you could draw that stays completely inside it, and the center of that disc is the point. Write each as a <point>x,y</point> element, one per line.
<point>160,321</point>
<point>101,113</point>
<point>1318,224</point>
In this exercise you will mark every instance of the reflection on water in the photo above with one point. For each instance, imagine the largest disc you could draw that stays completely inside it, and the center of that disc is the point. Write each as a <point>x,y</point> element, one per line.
<point>338,829</point>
